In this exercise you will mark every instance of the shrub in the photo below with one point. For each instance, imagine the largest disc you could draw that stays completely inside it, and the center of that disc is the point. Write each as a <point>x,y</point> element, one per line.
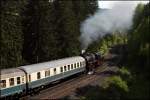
<point>125,74</point>
<point>116,81</point>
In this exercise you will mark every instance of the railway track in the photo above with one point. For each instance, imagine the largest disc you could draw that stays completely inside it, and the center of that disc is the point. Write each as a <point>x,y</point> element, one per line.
<point>68,87</point>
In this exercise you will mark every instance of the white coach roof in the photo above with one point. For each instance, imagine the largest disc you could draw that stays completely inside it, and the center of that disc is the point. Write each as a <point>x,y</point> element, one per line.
<point>11,72</point>
<point>51,64</point>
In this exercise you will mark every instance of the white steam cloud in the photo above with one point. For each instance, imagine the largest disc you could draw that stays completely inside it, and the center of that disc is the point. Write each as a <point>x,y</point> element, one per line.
<point>103,22</point>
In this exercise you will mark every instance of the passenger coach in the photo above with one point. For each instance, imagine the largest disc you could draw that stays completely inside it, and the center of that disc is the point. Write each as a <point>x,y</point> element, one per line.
<point>43,73</point>
<point>13,81</point>
<point>30,78</point>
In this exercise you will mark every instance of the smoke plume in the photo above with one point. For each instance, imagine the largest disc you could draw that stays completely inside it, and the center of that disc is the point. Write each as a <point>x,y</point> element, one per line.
<point>119,17</point>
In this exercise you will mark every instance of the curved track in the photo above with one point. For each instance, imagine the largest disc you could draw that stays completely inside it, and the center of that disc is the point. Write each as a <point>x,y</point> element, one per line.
<point>68,87</point>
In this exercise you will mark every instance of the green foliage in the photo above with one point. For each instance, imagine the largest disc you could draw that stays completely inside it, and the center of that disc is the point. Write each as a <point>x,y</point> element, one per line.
<point>39,31</point>
<point>105,43</point>
<point>139,40</point>
<point>11,40</point>
<point>132,82</point>
<point>35,31</point>
<point>68,39</point>
<point>125,74</point>
<point>104,48</point>
<point>138,15</point>
<point>139,48</point>
<point>114,88</point>
<point>116,80</point>
<point>139,87</point>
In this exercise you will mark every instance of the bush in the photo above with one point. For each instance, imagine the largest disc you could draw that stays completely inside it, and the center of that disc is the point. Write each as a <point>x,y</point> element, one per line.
<point>116,81</point>
<point>125,74</point>
<point>114,88</point>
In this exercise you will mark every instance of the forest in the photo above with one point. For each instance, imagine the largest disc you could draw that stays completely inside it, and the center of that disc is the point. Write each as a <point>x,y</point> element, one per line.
<point>34,31</point>
<point>132,79</point>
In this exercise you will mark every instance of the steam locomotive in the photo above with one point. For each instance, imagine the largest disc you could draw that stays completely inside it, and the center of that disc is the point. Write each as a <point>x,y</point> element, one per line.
<point>27,79</point>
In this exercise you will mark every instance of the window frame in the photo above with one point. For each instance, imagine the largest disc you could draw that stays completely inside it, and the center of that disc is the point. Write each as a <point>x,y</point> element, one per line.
<point>29,76</point>
<point>11,82</point>
<point>47,73</point>
<point>75,65</point>
<point>54,71</point>
<point>65,68</point>
<point>22,79</point>
<point>3,84</point>
<point>68,67</point>
<point>78,64</point>
<point>18,81</point>
<point>38,75</point>
<point>71,66</point>
<point>61,69</point>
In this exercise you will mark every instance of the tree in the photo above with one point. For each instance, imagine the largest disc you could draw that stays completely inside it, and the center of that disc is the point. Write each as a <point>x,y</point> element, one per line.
<point>71,13</point>
<point>138,15</point>
<point>39,31</point>
<point>11,33</point>
<point>68,35</point>
<point>139,43</point>
<point>91,6</point>
<point>139,48</point>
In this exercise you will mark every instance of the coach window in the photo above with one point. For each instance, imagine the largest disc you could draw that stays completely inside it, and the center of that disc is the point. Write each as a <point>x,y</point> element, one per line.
<point>29,78</point>
<point>22,79</point>
<point>3,83</point>
<point>68,67</point>
<point>71,66</point>
<point>54,71</point>
<point>80,64</point>
<point>75,65</point>
<point>38,75</point>
<point>47,73</point>
<point>61,69</point>
<point>11,81</point>
<point>18,80</point>
<point>65,68</point>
